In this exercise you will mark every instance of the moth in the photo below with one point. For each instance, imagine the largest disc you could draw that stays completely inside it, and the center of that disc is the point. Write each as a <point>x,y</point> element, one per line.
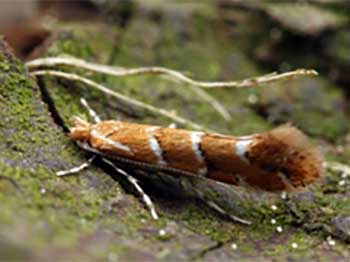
<point>282,159</point>
<point>278,160</point>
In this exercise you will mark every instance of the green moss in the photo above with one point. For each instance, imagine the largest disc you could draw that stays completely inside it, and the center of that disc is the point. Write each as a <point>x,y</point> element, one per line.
<point>69,44</point>
<point>57,212</point>
<point>23,120</point>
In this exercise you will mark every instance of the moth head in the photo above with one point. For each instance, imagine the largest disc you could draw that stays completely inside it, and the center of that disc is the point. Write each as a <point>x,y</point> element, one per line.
<point>286,150</point>
<point>80,130</point>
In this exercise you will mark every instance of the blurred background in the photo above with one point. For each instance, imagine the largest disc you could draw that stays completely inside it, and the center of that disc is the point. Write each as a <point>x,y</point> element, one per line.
<point>210,40</point>
<point>276,34</point>
<point>272,35</point>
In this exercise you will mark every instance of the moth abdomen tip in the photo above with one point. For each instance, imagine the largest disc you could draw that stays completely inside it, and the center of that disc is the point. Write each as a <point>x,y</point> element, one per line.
<point>287,152</point>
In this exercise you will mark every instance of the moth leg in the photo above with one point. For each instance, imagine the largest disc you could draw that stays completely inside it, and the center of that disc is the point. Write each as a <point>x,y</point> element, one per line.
<point>218,209</point>
<point>146,199</point>
<point>86,164</point>
<point>77,169</point>
<point>92,113</point>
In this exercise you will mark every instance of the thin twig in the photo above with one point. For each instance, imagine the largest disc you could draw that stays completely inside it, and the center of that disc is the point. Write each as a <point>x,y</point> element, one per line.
<point>120,71</point>
<point>121,97</point>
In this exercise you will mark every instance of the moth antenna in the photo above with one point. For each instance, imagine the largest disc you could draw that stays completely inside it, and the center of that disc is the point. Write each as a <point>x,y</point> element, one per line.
<point>92,113</point>
<point>146,199</point>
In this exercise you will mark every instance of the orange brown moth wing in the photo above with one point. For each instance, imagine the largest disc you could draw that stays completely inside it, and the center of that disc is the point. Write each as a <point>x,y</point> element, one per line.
<point>278,160</point>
